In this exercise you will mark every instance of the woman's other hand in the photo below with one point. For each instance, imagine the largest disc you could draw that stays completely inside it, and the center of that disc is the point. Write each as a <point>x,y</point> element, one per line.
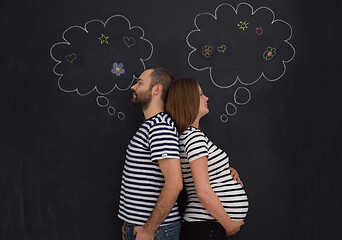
<point>233,227</point>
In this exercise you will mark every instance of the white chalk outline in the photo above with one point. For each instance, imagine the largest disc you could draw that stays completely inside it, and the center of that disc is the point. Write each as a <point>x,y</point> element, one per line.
<point>224,115</point>
<point>111,107</point>
<point>236,10</point>
<point>231,114</point>
<point>121,117</point>
<point>98,101</point>
<point>128,38</point>
<point>249,98</point>
<point>85,29</point>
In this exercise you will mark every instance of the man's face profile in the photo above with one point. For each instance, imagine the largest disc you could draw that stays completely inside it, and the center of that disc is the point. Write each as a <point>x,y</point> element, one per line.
<point>142,92</point>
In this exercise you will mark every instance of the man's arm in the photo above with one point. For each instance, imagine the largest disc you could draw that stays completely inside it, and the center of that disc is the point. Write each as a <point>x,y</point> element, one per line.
<point>171,170</point>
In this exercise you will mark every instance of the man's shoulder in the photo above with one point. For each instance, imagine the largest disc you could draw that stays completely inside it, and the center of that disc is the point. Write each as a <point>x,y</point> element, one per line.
<point>161,119</point>
<point>162,124</point>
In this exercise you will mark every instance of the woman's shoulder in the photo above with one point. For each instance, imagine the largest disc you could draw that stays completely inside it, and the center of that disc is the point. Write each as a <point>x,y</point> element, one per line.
<point>190,133</point>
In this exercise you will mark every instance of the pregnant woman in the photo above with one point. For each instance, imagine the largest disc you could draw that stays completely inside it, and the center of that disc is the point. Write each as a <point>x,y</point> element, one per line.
<point>216,203</point>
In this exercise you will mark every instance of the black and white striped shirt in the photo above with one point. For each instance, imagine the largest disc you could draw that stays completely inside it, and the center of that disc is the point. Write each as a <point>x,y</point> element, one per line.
<point>193,144</point>
<point>142,179</point>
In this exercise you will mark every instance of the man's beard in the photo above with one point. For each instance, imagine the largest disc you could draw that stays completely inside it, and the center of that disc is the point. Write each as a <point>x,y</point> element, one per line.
<point>142,100</point>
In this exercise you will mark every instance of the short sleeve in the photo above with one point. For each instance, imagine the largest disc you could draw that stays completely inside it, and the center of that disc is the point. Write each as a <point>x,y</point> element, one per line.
<point>195,145</point>
<point>163,140</point>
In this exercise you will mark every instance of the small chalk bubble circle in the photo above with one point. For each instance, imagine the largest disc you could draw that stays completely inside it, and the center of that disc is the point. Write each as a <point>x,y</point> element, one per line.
<point>242,96</point>
<point>224,118</point>
<point>111,110</point>
<point>121,115</point>
<point>231,109</point>
<point>102,101</point>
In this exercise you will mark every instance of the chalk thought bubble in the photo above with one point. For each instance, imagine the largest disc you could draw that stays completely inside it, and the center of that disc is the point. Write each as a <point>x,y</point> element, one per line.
<point>240,44</point>
<point>101,56</point>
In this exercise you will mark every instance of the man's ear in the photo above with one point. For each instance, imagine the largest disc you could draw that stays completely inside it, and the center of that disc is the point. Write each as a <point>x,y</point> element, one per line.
<point>157,89</point>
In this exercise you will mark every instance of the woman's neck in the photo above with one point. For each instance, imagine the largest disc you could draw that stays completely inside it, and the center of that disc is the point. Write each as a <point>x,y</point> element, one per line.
<point>195,123</point>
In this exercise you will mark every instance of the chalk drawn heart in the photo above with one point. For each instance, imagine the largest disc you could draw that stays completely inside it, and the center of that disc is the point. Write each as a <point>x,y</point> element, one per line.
<point>222,48</point>
<point>71,57</point>
<point>259,31</point>
<point>129,41</point>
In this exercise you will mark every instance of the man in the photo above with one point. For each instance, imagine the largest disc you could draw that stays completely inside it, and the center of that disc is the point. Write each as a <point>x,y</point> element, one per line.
<point>152,177</point>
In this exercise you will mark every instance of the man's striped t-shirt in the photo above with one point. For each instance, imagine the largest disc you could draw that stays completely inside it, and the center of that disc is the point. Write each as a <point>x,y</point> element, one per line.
<point>142,179</point>
<point>193,144</point>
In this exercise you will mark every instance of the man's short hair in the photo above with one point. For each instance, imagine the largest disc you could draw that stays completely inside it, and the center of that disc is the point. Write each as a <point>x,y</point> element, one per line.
<point>163,77</point>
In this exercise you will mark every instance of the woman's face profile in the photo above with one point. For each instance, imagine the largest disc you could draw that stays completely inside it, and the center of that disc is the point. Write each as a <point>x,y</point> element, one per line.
<point>203,107</point>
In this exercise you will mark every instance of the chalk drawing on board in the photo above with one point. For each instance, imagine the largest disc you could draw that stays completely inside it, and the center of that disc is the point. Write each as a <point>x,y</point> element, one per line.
<point>71,57</point>
<point>222,48</point>
<point>257,46</point>
<point>121,115</point>
<point>207,51</point>
<point>129,41</point>
<point>110,56</point>
<point>259,30</point>
<point>231,109</point>
<point>243,25</point>
<point>242,96</point>
<point>225,70</point>
<point>103,39</point>
<point>269,53</point>
<point>102,101</point>
<point>224,118</point>
<point>118,69</point>
<point>111,110</point>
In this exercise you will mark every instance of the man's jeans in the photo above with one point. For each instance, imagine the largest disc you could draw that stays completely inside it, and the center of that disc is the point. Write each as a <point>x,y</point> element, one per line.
<point>167,232</point>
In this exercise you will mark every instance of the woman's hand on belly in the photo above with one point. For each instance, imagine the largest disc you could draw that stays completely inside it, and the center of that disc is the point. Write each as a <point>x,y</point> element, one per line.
<point>235,175</point>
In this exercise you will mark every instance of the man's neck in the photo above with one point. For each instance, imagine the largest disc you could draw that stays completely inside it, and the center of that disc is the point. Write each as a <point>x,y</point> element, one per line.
<point>153,110</point>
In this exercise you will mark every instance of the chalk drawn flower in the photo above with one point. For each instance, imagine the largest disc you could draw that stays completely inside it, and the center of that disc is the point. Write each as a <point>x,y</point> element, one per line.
<point>118,69</point>
<point>269,53</point>
<point>207,51</point>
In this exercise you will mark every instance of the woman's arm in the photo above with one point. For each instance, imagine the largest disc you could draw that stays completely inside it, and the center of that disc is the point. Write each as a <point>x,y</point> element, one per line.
<point>209,199</point>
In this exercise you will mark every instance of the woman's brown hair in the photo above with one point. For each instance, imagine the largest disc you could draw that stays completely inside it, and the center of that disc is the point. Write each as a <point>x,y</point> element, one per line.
<point>183,102</point>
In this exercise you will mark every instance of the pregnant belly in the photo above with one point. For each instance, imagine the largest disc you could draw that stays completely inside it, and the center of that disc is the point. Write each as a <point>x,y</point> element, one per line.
<point>234,200</point>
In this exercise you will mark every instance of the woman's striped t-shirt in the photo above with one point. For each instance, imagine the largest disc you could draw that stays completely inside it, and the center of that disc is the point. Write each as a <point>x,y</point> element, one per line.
<point>142,179</point>
<point>193,144</point>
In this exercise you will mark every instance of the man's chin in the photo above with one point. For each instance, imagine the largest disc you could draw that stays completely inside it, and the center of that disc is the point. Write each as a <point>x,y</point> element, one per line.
<point>135,102</point>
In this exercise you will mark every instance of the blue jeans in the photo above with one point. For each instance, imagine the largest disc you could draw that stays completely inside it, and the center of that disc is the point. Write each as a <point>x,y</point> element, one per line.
<point>167,232</point>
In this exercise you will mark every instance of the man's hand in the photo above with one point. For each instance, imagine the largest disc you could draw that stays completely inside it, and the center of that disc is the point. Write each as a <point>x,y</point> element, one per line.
<point>142,234</point>
<point>233,227</point>
<point>123,229</point>
<point>235,175</point>
<point>172,172</point>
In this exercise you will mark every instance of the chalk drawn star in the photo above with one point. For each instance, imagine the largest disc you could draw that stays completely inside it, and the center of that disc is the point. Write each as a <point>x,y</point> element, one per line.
<point>104,39</point>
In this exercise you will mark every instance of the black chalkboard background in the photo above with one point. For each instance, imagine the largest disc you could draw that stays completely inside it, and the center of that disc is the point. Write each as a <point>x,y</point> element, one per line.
<point>61,154</point>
